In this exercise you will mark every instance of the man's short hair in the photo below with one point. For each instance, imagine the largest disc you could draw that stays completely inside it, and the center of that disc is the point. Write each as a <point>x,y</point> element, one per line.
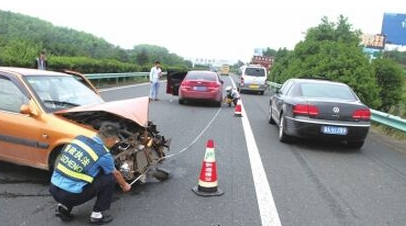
<point>157,62</point>
<point>42,52</point>
<point>109,130</point>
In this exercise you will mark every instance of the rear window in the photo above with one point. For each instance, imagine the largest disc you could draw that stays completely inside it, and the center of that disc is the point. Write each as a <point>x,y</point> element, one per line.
<point>201,76</point>
<point>258,72</point>
<point>327,90</point>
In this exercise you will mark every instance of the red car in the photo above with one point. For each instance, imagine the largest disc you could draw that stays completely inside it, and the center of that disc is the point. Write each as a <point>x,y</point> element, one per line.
<point>195,85</point>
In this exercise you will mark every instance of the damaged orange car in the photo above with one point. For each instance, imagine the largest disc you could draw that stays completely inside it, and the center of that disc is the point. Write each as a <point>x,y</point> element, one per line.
<point>41,111</point>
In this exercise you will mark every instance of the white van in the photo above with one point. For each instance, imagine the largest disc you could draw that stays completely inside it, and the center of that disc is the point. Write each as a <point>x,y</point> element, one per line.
<point>252,78</point>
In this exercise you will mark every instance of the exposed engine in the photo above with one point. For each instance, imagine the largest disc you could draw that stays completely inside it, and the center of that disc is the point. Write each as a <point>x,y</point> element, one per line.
<point>139,147</point>
<point>139,150</point>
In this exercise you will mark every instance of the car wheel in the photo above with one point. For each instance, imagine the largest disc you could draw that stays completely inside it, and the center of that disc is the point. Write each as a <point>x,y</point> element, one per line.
<point>356,145</point>
<point>181,101</point>
<point>283,137</point>
<point>261,93</point>
<point>218,104</point>
<point>270,119</point>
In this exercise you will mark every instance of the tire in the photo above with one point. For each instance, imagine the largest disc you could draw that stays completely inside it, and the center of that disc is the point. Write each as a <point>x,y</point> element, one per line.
<point>270,119</point>
<point>283,137</point>
<point>181,101</point>
<point>261,92</point>
<point>356,144</point>
<point>54,158</point>
<point>218,103</point>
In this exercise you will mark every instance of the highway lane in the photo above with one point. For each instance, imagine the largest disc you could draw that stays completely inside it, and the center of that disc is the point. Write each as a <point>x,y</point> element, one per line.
<point>312,183</point>
<point>319,183</point>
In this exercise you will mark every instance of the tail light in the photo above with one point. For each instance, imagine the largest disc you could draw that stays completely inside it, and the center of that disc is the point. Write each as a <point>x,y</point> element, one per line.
<point>185,85</point>
<point>242,81</point>
<point>363,114</point>
<point>305,109</point>
<point>213,86</point>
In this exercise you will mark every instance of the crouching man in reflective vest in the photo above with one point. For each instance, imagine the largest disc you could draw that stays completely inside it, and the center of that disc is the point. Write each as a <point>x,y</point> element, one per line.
<point>86,170</point>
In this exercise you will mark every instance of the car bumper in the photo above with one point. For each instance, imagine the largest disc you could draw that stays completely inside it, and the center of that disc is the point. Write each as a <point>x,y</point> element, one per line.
<point>312,128</point>
<point>195,95</point>
<point>253,87</point>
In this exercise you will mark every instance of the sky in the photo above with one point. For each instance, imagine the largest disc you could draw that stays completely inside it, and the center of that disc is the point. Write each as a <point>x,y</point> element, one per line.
<point>213,29</point>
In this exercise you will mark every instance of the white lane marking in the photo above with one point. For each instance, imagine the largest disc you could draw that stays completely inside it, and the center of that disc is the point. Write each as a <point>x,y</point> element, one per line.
<point>126,87</point>
<point>267,209</point>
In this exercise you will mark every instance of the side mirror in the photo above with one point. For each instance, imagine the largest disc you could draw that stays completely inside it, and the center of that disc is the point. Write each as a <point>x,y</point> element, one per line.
<point>27,109</point>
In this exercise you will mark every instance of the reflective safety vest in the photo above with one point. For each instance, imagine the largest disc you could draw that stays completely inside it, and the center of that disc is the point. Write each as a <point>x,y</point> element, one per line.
<point>77,158</point>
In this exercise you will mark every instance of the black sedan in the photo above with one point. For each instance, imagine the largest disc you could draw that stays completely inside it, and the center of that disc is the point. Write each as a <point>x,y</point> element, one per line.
<point>312,108</point>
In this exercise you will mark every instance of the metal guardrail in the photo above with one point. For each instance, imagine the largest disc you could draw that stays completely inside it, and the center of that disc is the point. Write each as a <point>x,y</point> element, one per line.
<point>117,76</point>
<point>389,120</point>
<point>376,116</point>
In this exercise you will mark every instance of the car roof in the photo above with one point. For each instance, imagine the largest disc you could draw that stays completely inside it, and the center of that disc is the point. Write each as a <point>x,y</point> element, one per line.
<point>202,72</point>
<point>254,66</point>
<point>30,71</point>
<point>309,80</point>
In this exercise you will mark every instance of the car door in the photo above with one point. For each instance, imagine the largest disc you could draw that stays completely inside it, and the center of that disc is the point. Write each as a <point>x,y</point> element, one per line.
<point>19,133</point>
<point>174,81</point>
<point>279,100</point>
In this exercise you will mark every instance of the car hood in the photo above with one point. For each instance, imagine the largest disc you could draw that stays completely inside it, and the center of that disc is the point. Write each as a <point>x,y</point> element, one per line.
<point>135,110</point>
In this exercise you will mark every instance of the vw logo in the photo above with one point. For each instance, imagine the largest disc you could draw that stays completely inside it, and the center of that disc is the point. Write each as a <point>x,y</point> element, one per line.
<point>336,110</point>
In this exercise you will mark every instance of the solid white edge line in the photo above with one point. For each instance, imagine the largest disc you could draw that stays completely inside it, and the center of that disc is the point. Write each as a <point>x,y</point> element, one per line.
<point>126,87</point>
<point>267,209</point>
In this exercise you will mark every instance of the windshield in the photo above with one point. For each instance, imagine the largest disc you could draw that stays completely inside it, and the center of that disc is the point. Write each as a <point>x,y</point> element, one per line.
<point>61,92</point>
<point>327,90</point>
<point>259,72</point>
<point>201,76</point>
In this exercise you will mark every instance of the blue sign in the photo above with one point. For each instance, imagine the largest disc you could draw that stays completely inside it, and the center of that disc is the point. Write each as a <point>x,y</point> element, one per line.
<point>394,28</point>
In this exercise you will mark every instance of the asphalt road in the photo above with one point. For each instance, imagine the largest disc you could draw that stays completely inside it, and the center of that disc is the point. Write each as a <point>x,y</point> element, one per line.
<point>313,183</point>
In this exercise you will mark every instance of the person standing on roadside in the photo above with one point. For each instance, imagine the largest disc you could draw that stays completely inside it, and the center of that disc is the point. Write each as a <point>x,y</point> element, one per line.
<point>41,62</point>
<point>154,76</point>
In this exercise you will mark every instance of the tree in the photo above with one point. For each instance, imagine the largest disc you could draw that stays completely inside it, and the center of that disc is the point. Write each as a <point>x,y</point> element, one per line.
<point>331,50</point>
<point>269,52</point>
<point>142,57</point>
<point>389,76</point>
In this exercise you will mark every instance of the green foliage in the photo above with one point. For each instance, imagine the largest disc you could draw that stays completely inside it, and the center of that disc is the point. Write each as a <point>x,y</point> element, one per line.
<point>18,53</point>
<point>23,37</point>
<point>330,51</point>
<point>142,57</point>
<point>389,76</point>
<point>157,53</point>
<point>269,52</point>
<point>399,57</point>
<point>89,65</point>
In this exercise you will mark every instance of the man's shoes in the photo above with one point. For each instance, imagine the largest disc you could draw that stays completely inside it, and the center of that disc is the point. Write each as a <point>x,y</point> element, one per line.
<point>64,213</point>
<point>100,218</point>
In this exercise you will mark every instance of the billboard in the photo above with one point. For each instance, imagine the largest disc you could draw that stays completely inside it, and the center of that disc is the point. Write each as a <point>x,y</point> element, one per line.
<point>394,28</point>
<point>373,41</point>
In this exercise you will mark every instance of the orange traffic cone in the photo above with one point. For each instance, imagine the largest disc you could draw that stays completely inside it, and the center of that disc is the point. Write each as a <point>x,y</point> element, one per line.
<point>208,185</point>
<point>237,111</point>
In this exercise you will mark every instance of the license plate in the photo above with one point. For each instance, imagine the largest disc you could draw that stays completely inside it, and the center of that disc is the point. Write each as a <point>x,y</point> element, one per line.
<point>254,86</point>
<point>199,88</point>
<point>335,130</point>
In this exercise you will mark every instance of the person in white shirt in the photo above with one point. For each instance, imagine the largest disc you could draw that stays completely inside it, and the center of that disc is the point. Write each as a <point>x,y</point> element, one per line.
<point>154,76</point>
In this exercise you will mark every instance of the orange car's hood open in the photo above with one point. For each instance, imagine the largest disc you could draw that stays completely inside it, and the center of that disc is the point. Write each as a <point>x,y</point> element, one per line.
<point>135,109</point>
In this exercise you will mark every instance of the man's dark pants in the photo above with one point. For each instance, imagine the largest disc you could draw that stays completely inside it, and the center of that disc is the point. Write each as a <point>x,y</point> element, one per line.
<point>102,187</point>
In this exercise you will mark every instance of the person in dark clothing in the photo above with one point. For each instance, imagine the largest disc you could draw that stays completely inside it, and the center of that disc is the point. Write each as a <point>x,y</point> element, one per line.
<point>41,62</point>
<point>86,170</point>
